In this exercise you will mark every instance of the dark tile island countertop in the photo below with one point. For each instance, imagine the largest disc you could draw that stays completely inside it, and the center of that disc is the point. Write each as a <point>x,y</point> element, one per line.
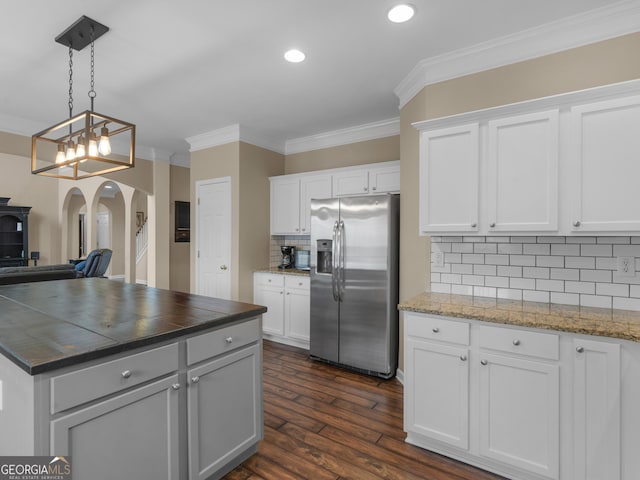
<point>53,324</point>
<point>623,324</point>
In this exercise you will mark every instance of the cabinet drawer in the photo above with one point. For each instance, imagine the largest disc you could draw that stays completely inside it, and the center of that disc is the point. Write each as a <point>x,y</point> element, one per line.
<point>214,343</point>
<point>81,386</point>
<point>296,281</point>
<point>513,340</point>
<point>437,328</point>
<point>274,279</point>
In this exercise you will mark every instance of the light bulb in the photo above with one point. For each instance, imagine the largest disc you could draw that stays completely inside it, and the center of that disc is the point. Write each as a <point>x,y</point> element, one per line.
<point>401,13</point>
<point>93,145</point>
<point>80,150</point>
<point>71,150</point>
<point>104,147</point>
<point>60,156</point>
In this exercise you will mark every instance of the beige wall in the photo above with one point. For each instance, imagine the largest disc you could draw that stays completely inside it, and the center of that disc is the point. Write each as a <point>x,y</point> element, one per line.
<point>360,153</point>
<point>39,193</point>
<point>249,168</point>
<point>603,63</point>
<point>179,253</point>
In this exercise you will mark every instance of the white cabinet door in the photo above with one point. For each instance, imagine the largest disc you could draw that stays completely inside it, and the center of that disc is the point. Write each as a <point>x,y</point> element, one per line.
<point>522,182</point>
<point>272,297</point>
<point>606,149</point>
<point>384,180</point>
<point>449,180</point>
<point>596,410</point>
<point>297,309</point>
<point>437,392</point>
<point>225,410</point>
<point>352,182</point>
<point>314,187</point>
<point>108,439</point>
<point>519,413</point>
<point>285,206</point>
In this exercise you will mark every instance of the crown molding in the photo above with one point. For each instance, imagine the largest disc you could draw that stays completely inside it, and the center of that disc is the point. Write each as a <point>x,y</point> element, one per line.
<point>599,24</point>
<point>231,133</point>
<point>360,133</point>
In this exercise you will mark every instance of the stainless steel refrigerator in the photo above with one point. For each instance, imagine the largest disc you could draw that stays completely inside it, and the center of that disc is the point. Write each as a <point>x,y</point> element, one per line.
<point>354,282</point>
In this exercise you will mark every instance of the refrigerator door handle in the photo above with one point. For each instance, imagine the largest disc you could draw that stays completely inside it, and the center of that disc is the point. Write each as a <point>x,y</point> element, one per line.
<point>334,262</point>
<point>341,261</point>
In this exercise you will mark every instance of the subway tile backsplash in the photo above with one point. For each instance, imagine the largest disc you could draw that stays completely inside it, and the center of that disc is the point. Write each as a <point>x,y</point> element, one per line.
<point>277,241</point>
<point>568,270</point>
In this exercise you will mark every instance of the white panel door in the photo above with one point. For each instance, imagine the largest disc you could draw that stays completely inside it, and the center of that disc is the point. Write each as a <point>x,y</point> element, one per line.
<point>522,183</point>
<point>103,237</point>
<point>285,206</point>
<point>314,187</point>
<point>437,392</point>
<point>596,410</point>
<point>519,413</point>
<point>606,166</point>
<point>449,180</point>
<point>213,247</point>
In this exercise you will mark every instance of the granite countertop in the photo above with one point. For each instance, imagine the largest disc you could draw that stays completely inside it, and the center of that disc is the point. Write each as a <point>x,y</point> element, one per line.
<point>53,324</point>
<point>623,324</point>
<point>283,271</point>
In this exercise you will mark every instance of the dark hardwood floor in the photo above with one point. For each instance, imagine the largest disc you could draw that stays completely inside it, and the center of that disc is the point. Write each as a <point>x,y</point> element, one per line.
<point>323,422</point>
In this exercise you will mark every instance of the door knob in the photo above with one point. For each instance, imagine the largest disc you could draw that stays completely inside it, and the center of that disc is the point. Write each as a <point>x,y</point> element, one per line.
<point>224,267</point>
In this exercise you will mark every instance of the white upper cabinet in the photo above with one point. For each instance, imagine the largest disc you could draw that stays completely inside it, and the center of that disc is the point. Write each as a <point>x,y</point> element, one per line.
<point>449,161</point>
<point>312,187</point>
<point>606,166</point>
<point>285,206</point>
<point>522,177</point>
<point>384,179</point>
<point>561,165</point>
<point>352,182</point>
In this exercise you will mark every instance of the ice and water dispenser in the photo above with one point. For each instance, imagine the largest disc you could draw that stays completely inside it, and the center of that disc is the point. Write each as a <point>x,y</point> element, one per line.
<point>325,261</point>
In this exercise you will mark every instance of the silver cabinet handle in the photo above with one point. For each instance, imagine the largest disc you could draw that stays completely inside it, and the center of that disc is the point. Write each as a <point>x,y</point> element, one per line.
<point>224,267</point>
<point>126,374</point>
<point>463,358</point>
<point>228,340</point>
<point>579,349</point>
<point>483,362</point>
<point>492,224</point>
<point>474,225</point>
<point>195,379</point>
<point>576,223</point>
<point>176,386</point>
<point>516,342</point>
<point>436,329</point>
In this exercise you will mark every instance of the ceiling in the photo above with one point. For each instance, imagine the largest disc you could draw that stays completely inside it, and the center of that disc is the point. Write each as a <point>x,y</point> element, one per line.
<point>179,69</point>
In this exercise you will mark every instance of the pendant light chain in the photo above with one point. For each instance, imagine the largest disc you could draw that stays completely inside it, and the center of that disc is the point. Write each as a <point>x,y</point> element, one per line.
<point>70,82</point>
<point>92,92</point>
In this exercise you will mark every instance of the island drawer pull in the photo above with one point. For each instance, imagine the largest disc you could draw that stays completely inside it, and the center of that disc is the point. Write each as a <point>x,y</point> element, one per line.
<point>176,386</point>
<point>195,379</point>
<point>228,340</point>
<point>483,362</point>
<point>516,342</point>
<point>579,349</point>
<point>126,374</point>
<point>436,329</point>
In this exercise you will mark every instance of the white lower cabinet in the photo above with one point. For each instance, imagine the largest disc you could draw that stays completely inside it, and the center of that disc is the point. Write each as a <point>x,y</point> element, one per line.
<point>287,298</point>
<point>524,403</point>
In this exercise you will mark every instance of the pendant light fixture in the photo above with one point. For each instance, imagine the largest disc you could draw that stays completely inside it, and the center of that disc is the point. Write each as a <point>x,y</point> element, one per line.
<point>89,143</point>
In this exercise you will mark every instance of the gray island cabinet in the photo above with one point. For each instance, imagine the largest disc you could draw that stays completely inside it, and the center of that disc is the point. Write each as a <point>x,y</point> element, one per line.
<point>135,383</point>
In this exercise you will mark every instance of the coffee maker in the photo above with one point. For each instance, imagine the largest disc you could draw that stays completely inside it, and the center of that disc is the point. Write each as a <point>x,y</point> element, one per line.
<point>288,257</point>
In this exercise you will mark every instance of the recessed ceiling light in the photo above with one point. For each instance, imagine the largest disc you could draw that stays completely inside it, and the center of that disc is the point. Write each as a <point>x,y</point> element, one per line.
<point>401,13</point>
<point>294,56</point>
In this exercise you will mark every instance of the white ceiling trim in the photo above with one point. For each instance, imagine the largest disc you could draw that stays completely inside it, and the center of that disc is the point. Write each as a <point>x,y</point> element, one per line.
<point>597,25</point>
<point>361,133</point>
<point>231,133</point>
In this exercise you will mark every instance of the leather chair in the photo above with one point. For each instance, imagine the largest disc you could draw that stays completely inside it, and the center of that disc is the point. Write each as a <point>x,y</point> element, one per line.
<point>96,263</point>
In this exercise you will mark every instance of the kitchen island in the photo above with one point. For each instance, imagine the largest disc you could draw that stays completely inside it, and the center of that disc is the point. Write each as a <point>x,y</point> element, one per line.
<point>130,381</point>
<point>528,390</point>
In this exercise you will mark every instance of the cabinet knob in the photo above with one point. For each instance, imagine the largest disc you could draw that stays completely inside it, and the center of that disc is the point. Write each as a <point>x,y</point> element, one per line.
<point>228,340</point>
<point>297,229</point>
<point>300,283</point>
<point>463,358</point>
<point>176,386</point>
<point>126,374</point>
<point>483,362</point>
<point>223,267</point>
<point>374,189</point>
<point>492,224</point>
<point>365,189</point>
<point>304,229</point>
<point>288,293</point>
<point>474,225</point>
<point>516,342</point>
<point>579,349</point>
<point>195,379</point>
<point>436,329</point>
<point>269,280</point>
<point>576,223</point>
